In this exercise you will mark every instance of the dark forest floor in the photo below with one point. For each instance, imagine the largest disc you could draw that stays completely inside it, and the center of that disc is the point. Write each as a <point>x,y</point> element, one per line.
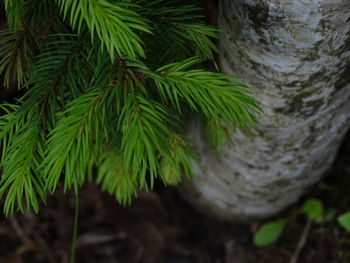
<point>160,227</point>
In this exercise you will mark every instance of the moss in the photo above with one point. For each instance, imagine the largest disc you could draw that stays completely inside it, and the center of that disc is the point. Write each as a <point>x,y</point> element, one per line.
<point>297,105</point>
<point>343,80</point>
<point>259,12</point>
<point>312,54</point>
<point>315,105</point>
<point>314,78</point>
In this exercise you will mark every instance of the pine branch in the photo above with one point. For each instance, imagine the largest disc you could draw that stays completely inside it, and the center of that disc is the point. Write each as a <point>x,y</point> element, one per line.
<point>114,23</point>
<point>72,146</point>
<point>115,102</point>
<point>16,55</point>
<point>143,123</point>
<point>212,94</point>
<point>52,84</point>
<point>42,18</point>
<point>219,133</point>
<point>20,161</point>
<point>180,163</point>
<point>30,22</point>
<point>113,178</point>
<point>180,30</point>
<point>14,13</point>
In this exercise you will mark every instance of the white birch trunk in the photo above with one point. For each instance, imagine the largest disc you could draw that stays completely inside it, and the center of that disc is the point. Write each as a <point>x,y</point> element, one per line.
<point>295,55</point>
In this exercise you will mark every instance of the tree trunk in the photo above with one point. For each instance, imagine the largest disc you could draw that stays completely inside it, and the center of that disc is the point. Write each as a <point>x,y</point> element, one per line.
<point>295,56</point>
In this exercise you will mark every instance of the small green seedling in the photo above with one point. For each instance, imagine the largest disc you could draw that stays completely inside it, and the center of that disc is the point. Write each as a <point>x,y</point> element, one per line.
<point>344,221</point>
<point>313,209</point>
<point>269,232</point>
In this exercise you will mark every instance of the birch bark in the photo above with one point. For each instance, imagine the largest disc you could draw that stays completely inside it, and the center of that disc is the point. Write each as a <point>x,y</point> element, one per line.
<point>295,55</point>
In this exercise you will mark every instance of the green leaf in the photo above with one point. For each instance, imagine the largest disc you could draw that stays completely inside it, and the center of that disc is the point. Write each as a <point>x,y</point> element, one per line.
<point>344,221</point>
<point>269,232</point>
<point>313,208</point>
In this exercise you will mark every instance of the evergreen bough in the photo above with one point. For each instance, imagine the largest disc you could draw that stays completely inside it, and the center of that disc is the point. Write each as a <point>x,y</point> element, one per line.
<point>108,86</point>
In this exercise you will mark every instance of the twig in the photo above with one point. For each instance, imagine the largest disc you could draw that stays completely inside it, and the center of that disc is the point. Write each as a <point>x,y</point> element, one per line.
<point>19,230</point>
<point>45,247</point>
<point>96,239</point>
<point>75,229</point>
<point>301,242</point>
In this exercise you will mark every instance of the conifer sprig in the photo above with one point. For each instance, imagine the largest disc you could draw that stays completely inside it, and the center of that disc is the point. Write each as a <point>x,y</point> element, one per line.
<point>22,154</point>
<point>114,179</point>
<point>108,85</point>
<point>16,55</point>
<point>68,145</point>
<point>180,30</point>
<point>14,12</point>
<point>143,123</point>
<point>113,23</point>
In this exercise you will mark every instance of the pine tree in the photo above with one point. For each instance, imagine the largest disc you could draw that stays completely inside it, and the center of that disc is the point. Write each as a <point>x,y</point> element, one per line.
<point>108,87</point>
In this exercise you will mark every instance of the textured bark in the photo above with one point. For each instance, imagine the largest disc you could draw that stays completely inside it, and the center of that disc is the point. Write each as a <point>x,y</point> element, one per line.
<point>295,56</point>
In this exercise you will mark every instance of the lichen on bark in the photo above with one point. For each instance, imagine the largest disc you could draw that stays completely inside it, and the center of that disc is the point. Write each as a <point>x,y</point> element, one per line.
<point>295,56</point>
